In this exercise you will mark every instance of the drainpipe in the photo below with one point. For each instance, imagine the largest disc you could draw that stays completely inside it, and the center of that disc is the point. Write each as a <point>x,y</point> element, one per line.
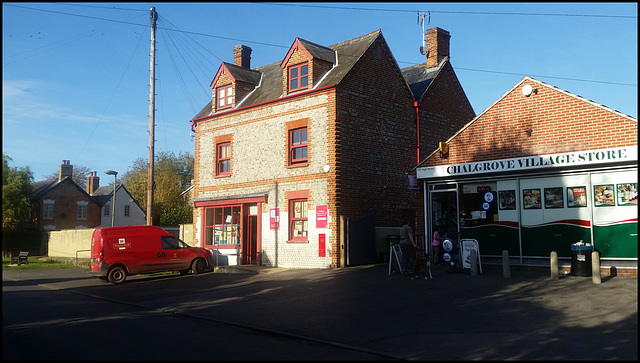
<point>416,104</point>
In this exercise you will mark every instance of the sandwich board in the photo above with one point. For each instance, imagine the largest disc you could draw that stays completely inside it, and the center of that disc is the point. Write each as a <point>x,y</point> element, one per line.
<point>465,255</point>
<point>395,251</point>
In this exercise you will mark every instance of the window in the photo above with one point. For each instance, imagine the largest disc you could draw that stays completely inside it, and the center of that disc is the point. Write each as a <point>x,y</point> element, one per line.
<point>107,209</point>
<point>47,209</point>
<point>172,243</point>
<point>298,223</point>
<point>222,225</point>
<point>298,77</point>
<point>223,158</point>
<point>127,210</point>
<point>225,96</point>
<point>82,210</point>
<point>298,146</point>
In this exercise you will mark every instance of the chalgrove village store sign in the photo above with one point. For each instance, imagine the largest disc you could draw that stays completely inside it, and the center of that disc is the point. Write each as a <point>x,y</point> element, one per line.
<point>562,160</point>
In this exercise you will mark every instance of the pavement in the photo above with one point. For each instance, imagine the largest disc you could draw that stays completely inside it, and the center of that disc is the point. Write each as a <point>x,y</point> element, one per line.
<point>453,316</point>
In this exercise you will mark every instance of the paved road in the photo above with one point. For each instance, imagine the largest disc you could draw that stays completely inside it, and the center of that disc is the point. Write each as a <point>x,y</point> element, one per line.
<point>357,313</point>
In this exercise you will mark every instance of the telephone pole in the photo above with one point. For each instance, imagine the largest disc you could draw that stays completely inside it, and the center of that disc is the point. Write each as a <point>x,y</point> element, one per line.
<point>152,110</point>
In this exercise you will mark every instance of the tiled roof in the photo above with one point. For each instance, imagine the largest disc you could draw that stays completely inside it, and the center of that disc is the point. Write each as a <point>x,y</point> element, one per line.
<point>270,87</point>
<point>419,77</point>
<point>343,55</point>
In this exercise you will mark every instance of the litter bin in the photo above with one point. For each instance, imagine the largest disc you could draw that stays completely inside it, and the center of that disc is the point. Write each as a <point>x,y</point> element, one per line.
<point>393,239</point>
<point>581,259</point>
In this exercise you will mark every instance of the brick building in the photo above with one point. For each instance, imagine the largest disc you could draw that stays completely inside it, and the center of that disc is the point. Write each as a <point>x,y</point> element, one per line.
<point>62,204</point>
<point>537,171</point>
<point>300,163</point>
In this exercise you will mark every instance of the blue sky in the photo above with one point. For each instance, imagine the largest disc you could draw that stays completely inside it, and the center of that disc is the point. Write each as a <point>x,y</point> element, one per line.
<point>75,76</point>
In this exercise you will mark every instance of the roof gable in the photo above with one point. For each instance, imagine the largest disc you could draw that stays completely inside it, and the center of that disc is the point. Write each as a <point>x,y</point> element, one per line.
<point>237,74</point>
<point>43,187</point>
<point>345,54</point>
<point>557,111</point>
<point>311,50</point>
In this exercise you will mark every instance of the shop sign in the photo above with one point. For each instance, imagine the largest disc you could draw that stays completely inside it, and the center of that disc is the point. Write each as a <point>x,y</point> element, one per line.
<point>274,218</point>
<point>590,157</point>
<point>321,216</point>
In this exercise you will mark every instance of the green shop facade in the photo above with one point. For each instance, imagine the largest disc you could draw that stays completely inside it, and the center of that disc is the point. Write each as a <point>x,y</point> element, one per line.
<point>529,203</point>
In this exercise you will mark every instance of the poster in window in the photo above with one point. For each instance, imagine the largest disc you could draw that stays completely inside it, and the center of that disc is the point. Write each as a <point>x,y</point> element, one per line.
<point>576,197</point>
<point>603,195</point>
<point>627,194</point>
<point>507,199</point>
<point>553,198</point>
<point>531,198</point>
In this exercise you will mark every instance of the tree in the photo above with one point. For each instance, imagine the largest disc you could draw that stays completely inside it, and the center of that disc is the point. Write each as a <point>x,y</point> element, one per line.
<point>16,204</point>
<point>79,175</point>
<point>172,175</point>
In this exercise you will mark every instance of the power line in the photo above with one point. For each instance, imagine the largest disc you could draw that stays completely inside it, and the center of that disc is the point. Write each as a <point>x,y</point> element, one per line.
<point>540,76</point>
<point>365,9</point>
<point>454,12</point>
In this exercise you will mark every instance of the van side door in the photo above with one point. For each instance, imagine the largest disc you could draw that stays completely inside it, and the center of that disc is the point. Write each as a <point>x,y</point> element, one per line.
<point>176,253</point>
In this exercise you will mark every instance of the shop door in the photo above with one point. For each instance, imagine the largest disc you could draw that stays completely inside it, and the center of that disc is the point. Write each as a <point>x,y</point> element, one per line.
<point>443,211</point>
<point>250,241</point>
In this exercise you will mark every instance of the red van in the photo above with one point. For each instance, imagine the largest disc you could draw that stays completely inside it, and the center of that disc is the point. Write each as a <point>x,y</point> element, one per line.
<point>120,251</point>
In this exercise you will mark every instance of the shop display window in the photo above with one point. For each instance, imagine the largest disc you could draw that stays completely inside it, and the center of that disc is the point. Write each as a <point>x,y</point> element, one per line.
<point>507,199</point>
<point>553,198</point>
<point>603,195</point>
<point>531,199</point>
<point>627,194</point>
<point>576,197</point>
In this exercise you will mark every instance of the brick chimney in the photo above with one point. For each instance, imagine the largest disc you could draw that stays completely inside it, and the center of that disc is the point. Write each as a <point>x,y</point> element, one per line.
<point>242,56</point>
<point>93,182</point>
<point>438,46</point>
<point>66,169</point>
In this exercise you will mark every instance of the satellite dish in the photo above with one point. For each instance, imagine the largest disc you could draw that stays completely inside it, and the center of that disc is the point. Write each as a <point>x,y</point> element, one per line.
<point>424,50</point>
<point>526,90</point>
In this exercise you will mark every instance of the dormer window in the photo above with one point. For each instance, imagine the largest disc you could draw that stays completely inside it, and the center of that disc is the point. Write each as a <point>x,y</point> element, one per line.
<point>225,96</point>
<point>298,77</point>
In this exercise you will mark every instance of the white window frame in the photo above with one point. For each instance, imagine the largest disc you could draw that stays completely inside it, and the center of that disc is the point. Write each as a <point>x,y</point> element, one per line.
<point>83,208</point>
<point>47,208</point>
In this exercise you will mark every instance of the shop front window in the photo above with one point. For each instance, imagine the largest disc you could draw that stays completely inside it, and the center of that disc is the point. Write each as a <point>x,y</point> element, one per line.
<point>222,226</point>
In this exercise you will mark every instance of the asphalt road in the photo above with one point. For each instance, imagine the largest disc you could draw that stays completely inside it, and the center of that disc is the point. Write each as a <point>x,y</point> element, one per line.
<point>356,313</point>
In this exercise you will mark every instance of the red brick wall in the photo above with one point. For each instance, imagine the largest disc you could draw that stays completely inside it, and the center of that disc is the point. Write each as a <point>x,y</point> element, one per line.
<point>65,210</point>
<point>560,122</point>
<point>375,139</point>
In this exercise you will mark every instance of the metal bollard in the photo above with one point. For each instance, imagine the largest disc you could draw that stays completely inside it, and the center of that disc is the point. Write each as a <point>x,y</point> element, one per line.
<point>554,265</point>
<point>595,267</point>
<point>506,267</point>
<point>474,263</point>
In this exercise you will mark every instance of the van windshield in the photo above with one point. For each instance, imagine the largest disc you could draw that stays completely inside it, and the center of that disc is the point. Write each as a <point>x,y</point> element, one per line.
<point>172,243</point>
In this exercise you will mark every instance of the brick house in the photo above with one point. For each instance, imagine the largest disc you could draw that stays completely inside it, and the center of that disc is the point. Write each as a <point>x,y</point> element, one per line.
<point>537,171</point>
<point>300,162</point>
<point>63,204</point>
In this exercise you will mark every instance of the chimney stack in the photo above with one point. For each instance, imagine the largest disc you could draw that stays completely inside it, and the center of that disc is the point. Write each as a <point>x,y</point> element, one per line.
<point>66,170</point>
<point>438,46</point>
<point>93,182</point>
<point>242,56</point>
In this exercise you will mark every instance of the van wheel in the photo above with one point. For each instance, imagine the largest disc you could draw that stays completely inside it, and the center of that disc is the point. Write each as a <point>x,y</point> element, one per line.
<point>117,275</point>
<point>198,266</point>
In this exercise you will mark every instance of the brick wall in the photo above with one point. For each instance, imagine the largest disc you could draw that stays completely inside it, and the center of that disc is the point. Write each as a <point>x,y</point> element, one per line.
<point>65,210</point>
<point>560,122</point>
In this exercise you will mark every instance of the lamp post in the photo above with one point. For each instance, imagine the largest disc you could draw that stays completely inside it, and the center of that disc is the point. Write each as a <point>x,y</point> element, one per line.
<point>113,207</point>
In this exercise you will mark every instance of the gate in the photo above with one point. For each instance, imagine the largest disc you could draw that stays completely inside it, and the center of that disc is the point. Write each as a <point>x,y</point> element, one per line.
<point>360,246</point>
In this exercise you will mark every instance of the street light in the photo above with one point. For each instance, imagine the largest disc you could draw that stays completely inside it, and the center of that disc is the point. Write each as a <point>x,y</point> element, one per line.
<point>113,208</point>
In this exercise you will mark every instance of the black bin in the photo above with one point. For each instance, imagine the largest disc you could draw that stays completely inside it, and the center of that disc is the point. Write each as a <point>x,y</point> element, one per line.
<point>581,259</point>
<point>393,239</point>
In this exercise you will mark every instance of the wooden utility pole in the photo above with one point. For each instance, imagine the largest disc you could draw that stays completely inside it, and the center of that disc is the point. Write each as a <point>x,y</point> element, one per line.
<point>152,110</point>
